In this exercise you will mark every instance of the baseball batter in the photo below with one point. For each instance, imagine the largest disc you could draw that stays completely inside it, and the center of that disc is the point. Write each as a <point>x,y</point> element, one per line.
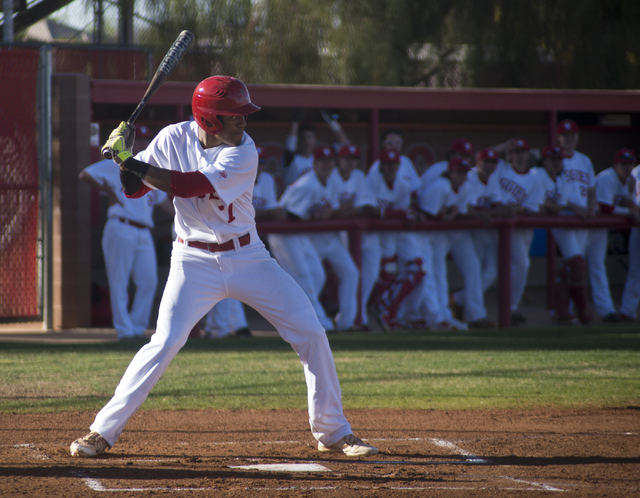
<point>614,197</point>
<point>129,252</point>
<point>631,293</point>
<point>210,167</point>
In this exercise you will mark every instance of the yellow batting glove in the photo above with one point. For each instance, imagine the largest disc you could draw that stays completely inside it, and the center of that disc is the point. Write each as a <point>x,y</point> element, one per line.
<point>122,156</point>
<point>121,139</point>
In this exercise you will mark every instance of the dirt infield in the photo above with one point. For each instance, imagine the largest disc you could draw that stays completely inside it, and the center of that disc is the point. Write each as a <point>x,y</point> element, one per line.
<point>272,453</point>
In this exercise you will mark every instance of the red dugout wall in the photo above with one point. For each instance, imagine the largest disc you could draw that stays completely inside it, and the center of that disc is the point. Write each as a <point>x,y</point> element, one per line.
<point>19,287</point>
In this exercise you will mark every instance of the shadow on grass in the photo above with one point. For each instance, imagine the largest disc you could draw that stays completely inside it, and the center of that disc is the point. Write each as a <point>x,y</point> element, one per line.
<point>517,339</point>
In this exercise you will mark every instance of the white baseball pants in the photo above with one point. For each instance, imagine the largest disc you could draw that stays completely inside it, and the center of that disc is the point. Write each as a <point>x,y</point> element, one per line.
<point>197,281</point>
<point>521,240</point>
<point>129,253</point>
<point>328,246</point>
<point>299,259</point>
<point>225,317</point>
<point>597,243</point>
<point>485,243</point>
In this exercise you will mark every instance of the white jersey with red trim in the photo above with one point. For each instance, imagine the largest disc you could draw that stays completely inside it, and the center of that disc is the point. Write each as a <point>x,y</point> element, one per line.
<point>523,189</point>
<point>440,194</point>
<point>139,210</point>
<point>578,174</point>
<point>354,190</point>
<point>221,216</point>
<point>264,192</point>
<point>396,197</point>
<point>406,170</point>
<point>550,189</point>
<point>611,191</point>
<point>307,194</point>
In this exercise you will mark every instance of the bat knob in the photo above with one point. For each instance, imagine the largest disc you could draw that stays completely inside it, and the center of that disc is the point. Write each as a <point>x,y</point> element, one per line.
<point>106,153</point>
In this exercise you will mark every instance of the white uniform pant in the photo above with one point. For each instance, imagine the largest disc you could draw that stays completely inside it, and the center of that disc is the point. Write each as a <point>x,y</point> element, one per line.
<point>571,241</point>
<point>129,253</point>
<point>521,239</point>
<point>225,318</point>
<point>460,244</point>
<point>197,281</point>
<point>299,259</point>
<point>371,256</point>
<point>597,243</point>
<point>631,293</point>
<point>485,243</point>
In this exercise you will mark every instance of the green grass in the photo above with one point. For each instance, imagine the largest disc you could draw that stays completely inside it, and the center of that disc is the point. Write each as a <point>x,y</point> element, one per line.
<point>518,368</point>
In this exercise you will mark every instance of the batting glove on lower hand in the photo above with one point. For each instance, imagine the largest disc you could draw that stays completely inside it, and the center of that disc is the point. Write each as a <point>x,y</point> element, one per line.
<point>120,142</point>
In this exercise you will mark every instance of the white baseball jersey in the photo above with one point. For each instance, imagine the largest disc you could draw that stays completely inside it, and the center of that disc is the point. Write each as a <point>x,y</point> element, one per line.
<point>523,189</point>
<point>635,174</point>
<point>406,170</point>
<point>480,194</point>
<point>264,192</point>
<point>307,194</point>
<point>138,210</point>
<point>577,172</point>
<point>299,166</point>
<point>355,189</point>
<point>231,171</point>
<point>398,197</point>
<point>433,172</point>
<point>439,194</point>
<point>551,189</point>
<point>611,191</point>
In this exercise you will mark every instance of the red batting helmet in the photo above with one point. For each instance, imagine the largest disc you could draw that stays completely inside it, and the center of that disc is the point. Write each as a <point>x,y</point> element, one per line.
<point>220,95</point>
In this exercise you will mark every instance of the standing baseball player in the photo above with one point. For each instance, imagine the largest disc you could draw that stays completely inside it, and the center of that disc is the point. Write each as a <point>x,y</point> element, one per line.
<point>565,198</point>
<point>444,199</point>
<point>406,287</point>
<point>578,170</point>
<point>480,192</point>
<point>614,197</point>
<point>210,166</point>
<point>631,292</point>
<point>355,198</point>
<point>520,192</point>
<point>314,196</point>
<point>127,246</point>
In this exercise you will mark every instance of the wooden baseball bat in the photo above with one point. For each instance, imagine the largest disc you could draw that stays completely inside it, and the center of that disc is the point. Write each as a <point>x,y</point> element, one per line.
<point>168,64</point>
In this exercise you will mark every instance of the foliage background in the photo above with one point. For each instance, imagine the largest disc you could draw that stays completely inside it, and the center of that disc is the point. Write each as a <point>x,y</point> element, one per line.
<point>592,44</point>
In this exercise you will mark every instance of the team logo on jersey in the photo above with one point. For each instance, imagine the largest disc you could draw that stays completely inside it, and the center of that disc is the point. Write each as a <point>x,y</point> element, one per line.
<point>222,174</point>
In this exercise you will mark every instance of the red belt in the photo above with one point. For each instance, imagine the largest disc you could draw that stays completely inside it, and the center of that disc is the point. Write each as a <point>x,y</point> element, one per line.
<point>132,223</point>
<point>212,247</point>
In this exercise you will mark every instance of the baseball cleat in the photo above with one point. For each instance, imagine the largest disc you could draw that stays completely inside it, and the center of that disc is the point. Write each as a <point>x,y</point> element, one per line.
<point>91,445</point>
<point>243,332</point>
<point>389,323</point>
<point>482,323</point>
<point>350,446</point>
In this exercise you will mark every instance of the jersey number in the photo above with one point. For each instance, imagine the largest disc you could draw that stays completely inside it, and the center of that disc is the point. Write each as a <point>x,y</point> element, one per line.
<point>213,196</point>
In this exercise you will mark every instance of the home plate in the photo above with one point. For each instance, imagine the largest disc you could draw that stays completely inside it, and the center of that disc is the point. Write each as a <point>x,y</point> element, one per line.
<point>284,467</point>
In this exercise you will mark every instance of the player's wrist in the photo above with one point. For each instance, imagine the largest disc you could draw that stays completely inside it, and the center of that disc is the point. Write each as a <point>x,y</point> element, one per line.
<point>136,167</point>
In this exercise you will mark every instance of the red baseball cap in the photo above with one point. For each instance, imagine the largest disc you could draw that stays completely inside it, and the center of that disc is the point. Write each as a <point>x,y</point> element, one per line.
<point>625,155</point>
<point>553,151</point>
<point>458,164</point>
<point>322,152</point>
<point>462,146</point>
<point>349,150</point>
<point>488,154</point>
<point>389,156</point>
<point>520,144</point>
<point>566,126</point>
